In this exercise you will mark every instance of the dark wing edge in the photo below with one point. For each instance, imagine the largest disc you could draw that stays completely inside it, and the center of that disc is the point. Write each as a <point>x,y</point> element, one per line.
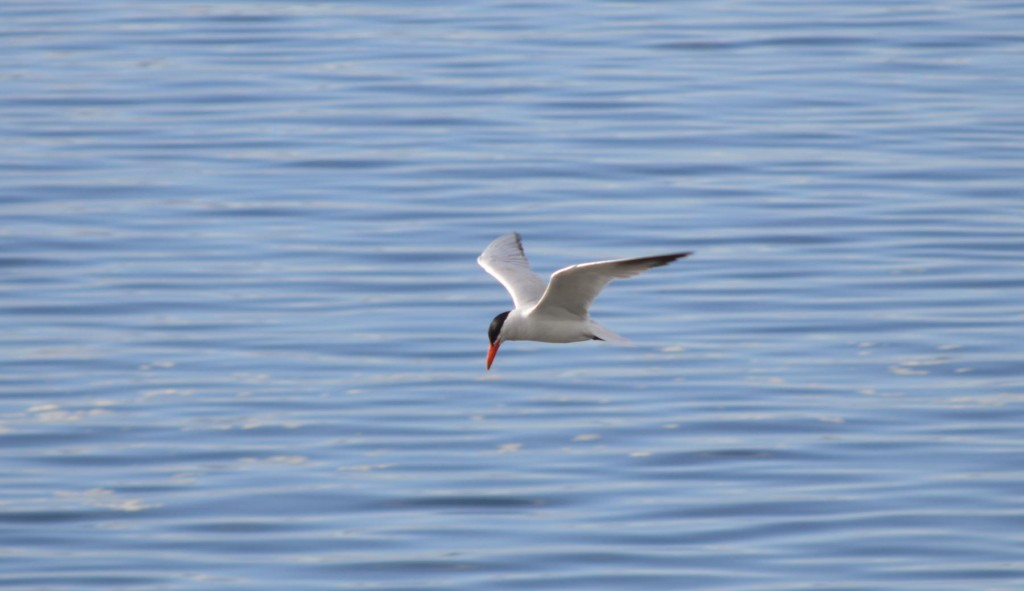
<point>658,260</point>
<point>519,245</point>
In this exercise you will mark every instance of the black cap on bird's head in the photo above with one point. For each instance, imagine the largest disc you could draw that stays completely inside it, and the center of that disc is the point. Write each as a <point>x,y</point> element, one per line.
<point>494,334</point>
<point>496,324</point>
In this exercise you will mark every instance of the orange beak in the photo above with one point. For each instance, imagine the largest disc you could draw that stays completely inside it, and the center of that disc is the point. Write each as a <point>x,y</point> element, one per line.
<point>491,352</point>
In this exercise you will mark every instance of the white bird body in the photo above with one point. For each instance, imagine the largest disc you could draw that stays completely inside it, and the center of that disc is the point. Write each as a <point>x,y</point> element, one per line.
<point>557,312</point>
<point>528,325</point>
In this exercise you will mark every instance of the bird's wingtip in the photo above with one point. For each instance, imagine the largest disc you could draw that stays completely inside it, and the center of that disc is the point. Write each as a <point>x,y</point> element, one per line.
<point>664,259</point>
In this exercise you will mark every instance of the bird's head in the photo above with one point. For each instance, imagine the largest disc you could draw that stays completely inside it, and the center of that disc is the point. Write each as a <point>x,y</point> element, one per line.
<point>494,334</point>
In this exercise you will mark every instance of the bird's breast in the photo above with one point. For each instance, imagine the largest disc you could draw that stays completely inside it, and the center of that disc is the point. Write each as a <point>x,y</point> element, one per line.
<point>546,330</point>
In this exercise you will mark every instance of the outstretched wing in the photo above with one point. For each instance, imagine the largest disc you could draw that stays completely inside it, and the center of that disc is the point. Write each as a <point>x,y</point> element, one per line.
<point>505,260</point>
<point>572,289</point>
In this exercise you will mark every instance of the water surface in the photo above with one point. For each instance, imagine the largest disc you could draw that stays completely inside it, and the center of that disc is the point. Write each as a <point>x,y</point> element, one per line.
<point>244,330</point>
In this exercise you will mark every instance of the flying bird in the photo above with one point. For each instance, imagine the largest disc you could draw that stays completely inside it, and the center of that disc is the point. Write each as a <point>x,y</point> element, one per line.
<point>556,312</point>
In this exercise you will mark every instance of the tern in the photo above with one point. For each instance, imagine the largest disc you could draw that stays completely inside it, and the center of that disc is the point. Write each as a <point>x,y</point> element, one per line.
<point>556,312</point>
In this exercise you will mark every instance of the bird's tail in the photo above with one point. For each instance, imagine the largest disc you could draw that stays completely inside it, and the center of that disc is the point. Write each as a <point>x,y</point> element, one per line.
<point>603,334</point>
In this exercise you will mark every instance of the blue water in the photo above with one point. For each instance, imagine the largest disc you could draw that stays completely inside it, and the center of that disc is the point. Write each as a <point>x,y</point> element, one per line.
<point>243,329</point>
